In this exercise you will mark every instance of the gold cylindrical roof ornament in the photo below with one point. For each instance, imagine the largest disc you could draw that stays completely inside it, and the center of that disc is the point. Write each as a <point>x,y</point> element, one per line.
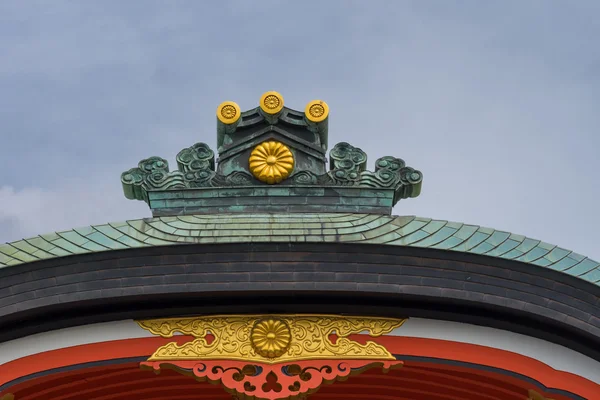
<point>316,111</point>
<point>316,115</point>
<point>271,103</point>
<point>228,117</point>
<point>228,112</point>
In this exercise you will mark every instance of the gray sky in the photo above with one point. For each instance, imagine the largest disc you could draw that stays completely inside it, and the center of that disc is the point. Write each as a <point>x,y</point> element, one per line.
<point>497,102</point>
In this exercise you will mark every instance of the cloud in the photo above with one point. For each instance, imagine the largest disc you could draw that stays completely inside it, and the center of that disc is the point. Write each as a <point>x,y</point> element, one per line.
<point>31,211</point>
<point>495,102</point>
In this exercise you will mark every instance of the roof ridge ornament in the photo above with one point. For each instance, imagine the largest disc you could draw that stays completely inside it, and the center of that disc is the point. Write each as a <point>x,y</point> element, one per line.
<point>267,146</point>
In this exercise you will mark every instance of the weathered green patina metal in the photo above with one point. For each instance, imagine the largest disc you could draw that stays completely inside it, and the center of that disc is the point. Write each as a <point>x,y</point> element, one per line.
<point>198,178</point>
<point>305,227</point>
<point>204,201</point>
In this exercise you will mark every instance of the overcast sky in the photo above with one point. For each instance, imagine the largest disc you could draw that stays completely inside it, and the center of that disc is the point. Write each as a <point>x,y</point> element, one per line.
<point>496,102</point>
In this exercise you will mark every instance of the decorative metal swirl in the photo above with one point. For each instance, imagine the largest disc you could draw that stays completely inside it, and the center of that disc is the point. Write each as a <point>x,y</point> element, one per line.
<point>304,178</point>
<point>198,164</point>
<point>195,158</point>
<point>347,162</point>
<point>152,173</point>
<point>271,162</point>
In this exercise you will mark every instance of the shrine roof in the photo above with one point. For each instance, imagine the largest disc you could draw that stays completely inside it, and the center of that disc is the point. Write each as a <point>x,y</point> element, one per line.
<point>270,182</point>
<point>300,227</point>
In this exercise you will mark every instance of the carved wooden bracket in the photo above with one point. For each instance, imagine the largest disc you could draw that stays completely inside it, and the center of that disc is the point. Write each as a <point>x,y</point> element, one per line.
<point>271,382</point>
<point>271,357</point>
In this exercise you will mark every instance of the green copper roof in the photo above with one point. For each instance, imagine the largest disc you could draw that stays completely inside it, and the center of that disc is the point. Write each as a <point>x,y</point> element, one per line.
<point>315,228</point>
<point>263,155</point>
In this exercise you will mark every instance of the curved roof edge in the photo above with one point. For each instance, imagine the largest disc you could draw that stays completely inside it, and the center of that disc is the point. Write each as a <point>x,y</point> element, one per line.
<point>326,227</point>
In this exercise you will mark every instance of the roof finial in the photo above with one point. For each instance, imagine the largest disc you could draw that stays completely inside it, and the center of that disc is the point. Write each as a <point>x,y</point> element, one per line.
<point>316,111</point>
<point>273,145</point>
<point>228,112</point>
<point>271,102</point>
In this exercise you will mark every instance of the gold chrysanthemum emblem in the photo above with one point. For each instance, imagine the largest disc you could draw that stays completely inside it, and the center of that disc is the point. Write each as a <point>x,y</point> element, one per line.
<point>271,337</point>
<point>271,102</point>
<point>316,111</point>
<point>271,162</point>
<point>228,112</point>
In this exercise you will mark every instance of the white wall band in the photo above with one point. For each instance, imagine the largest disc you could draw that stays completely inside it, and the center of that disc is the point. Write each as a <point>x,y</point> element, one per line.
<point>556,356</point>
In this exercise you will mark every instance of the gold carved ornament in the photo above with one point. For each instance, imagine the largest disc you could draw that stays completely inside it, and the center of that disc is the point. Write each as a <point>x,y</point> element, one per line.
<point>316,111</point>
<point>271,357</point>
<point>228,112</point>
<point>271,339</point>
<point>271,102</point>
<point>271,162</point>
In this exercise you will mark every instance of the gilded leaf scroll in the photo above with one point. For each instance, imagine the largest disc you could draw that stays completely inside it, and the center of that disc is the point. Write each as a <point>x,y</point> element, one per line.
<point>271,339</point>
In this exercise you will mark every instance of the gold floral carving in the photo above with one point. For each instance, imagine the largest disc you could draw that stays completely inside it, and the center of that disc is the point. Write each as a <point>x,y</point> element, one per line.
<point>271,339</point>
<point>271,102</point>
<point>228,112</point>
<point>316,111</point>
<point>271,162</point>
